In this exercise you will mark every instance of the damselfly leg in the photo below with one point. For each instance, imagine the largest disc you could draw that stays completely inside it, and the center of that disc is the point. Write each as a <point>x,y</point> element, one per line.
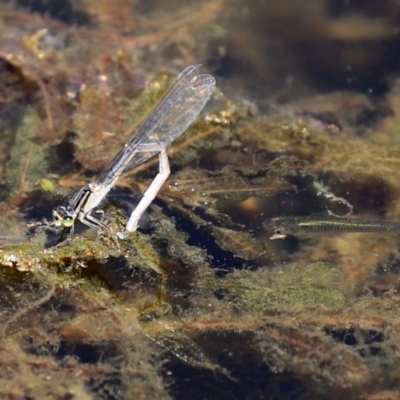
<point>155,185</point>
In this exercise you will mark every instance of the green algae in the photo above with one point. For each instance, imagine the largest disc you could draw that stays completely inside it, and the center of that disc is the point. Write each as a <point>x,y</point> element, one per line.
<point>292,289</point>
<point>28,161</point>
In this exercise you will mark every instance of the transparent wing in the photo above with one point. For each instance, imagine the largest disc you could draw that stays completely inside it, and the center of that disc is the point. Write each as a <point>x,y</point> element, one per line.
<point>180,106</point>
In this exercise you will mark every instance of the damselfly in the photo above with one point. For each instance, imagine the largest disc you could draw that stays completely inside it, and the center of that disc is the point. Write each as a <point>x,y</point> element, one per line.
<point>180,106</point>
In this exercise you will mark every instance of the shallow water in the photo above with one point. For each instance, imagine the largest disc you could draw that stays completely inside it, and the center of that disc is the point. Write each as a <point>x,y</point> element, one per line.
<point>303,122</point>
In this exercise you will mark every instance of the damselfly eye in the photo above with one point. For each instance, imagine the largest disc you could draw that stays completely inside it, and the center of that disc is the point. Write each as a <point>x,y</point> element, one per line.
<point>57,218</point>
<point>64,216</point>
<point>67,221</point>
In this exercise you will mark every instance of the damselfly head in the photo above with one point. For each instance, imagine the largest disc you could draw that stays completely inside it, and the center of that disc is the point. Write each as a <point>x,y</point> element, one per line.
<point>64,216</point>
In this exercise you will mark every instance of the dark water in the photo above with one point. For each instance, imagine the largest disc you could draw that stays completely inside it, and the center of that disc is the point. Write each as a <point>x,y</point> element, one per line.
<point>304,122</point>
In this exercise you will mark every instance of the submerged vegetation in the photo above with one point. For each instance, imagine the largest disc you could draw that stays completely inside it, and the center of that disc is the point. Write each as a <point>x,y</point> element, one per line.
<point>199,303</point>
